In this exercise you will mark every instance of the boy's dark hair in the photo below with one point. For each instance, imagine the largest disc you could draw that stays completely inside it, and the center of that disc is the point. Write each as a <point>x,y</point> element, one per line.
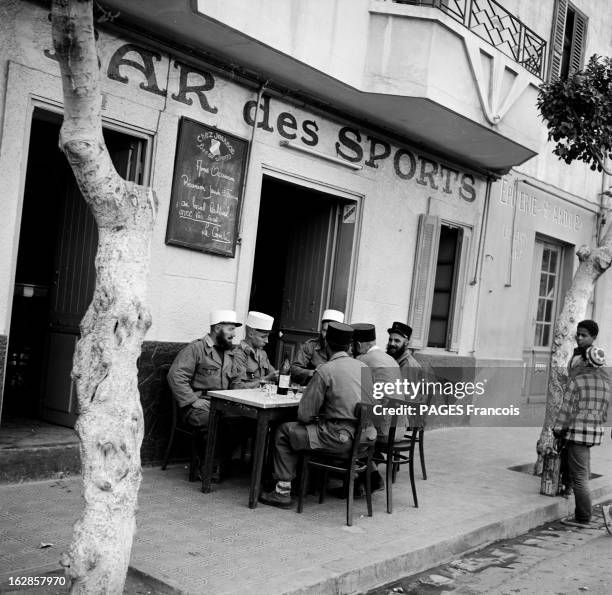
<point>590,325</point>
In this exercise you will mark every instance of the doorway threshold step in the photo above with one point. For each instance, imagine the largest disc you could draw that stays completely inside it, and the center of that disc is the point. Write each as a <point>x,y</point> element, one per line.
<point>39,462</point>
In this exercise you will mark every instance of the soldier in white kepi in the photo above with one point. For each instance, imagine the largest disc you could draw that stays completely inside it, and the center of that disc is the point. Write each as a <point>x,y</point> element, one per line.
<point>251,361</point>
<point>312,353</point>
<point>205,364</point>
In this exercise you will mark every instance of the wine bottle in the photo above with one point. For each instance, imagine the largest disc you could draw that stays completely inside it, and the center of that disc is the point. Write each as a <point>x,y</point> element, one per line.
<point>284,378</point>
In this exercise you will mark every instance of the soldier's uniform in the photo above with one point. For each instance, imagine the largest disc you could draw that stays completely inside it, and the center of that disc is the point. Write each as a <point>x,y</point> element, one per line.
<point>326,415</point>
<point>310,355</point>
<point>385,369</point>
<point>251,365</point>
<point>198,368</point>
<point>410,368</point>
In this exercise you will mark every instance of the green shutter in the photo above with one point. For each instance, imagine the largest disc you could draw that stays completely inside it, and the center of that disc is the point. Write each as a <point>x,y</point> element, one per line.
<point>558,33</point>
<point>428,239</point>
<point>578,42</point>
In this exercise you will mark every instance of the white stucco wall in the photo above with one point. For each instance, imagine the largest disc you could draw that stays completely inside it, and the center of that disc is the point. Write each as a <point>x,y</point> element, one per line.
<point>184,284</point>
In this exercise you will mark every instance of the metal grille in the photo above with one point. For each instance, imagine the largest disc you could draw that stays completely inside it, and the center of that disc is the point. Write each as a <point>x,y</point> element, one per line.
<point>498,27</point>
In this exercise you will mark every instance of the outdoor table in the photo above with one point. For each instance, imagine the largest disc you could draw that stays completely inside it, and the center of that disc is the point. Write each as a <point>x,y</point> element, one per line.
<point>254,403</point>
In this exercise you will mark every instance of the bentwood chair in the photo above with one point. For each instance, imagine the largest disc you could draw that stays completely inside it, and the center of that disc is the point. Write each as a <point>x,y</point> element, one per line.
<point>348,466</point>
<point>195,435</point>
<point>394,453</point>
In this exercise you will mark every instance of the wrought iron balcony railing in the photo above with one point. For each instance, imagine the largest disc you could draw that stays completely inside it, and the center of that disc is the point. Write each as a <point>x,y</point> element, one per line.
<point>492,22</point>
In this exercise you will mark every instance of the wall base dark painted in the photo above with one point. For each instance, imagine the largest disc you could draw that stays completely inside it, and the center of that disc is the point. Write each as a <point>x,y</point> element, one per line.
<point>156,406</point>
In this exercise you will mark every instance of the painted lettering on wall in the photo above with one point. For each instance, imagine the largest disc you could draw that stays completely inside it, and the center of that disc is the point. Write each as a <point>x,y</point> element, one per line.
<point>518,241</point>
<point>130,60</point>
<point>538,206</point>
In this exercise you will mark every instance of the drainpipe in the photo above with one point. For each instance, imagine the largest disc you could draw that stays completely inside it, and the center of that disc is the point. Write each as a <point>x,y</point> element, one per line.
<point>245,186</point>
<point>479,260</point>
<point>482,234</point>
<point>510,264</point>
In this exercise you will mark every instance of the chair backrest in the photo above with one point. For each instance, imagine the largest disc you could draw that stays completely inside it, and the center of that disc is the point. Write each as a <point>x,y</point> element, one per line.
<point>364,414</point>
<point>414,421</point>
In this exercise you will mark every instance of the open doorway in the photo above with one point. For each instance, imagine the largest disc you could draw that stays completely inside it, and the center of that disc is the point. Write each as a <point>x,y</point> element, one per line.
<point>303,260</point>
<point>55,273</point>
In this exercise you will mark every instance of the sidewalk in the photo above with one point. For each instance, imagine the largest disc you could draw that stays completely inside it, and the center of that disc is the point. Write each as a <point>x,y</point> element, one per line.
<point>213,543</point>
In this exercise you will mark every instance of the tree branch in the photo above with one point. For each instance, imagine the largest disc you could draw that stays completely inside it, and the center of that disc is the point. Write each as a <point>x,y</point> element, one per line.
<point>81,136</point>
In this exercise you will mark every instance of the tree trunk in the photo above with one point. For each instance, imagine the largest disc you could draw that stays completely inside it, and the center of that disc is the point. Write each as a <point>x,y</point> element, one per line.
<point>593,263</point>
<point>110,423</point>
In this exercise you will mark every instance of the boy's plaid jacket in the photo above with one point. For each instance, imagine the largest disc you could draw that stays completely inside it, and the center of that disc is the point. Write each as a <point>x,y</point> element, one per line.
<point>585,407</point>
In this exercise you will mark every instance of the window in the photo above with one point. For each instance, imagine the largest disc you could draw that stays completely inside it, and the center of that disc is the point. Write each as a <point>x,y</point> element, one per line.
<point>438,284</point>
<point>548,261</point>
<point>568,40</point>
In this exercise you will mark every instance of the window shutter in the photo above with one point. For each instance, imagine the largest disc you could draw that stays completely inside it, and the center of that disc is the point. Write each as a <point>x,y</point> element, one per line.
<point>578,42</point>
<point>428,239</point>
<point>558,33</point>
<point>460,283</point>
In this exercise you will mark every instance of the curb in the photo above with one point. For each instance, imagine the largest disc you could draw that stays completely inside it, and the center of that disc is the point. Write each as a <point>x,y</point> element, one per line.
<point>154,582</point>
<point>380,569</point>
<point>360,572</point>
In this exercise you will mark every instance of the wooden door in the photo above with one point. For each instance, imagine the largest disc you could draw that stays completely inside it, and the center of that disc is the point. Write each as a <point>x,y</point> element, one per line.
<point>74,278</point>
<point>317,272</point>
<point>306,277</point>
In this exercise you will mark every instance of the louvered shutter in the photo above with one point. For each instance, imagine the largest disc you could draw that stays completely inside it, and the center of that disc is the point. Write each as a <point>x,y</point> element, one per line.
<point>454,325</point>
<point>578,42</point>
<point>558,33</point>
<point>428,239</point>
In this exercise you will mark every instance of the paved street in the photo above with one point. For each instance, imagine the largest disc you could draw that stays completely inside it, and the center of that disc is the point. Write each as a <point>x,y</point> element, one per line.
<point>213,543</point>
<point>551,560</point>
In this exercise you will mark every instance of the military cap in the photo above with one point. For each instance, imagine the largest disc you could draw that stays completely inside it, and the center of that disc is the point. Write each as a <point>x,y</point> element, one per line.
<point>339,333</point>
<point>399,328</point>
<point>364,332</point>
<point>335,315</point>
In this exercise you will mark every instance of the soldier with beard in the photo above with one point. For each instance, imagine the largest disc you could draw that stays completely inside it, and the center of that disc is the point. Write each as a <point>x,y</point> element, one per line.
<point>205,364</point>
<point>397,348</point>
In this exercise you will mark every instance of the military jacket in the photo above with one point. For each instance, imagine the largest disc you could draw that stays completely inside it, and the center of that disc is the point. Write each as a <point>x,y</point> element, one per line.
<point>198,368</point>
<point>250,365</point>
<point>310,355</point>
<point>327,407</point>
<point>385,369</point>
<point>410,368</point>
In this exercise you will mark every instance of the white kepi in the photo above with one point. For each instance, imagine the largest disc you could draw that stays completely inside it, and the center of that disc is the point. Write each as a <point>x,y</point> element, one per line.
<point>334,315</point>
<point>224,317</point>
<point>259,321</point>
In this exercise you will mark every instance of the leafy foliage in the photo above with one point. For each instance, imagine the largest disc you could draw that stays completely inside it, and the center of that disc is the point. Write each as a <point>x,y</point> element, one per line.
<point>578,113</point>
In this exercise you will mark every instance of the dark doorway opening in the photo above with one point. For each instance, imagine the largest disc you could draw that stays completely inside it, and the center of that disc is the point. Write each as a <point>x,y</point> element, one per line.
<point>303,259</point>
<point>55,273</point>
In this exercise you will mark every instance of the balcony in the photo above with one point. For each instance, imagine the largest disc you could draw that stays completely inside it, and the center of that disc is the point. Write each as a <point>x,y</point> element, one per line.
<point>498,27</point>
<point>459,77</point>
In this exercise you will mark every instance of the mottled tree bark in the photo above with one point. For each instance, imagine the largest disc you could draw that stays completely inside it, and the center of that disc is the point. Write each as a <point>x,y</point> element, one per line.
<point>110,422</point>
<point>593,263</point>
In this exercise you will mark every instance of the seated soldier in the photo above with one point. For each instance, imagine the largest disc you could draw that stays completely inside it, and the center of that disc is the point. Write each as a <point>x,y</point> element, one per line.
<point>206,364</point>
<point>312,353</point>
<point>326,414</point>
<point>251,361</point>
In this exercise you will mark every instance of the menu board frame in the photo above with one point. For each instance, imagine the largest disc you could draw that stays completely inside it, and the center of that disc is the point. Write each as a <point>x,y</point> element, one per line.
<point>180,229</point>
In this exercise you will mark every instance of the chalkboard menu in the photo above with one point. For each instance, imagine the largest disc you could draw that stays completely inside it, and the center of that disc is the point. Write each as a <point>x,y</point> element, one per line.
<point>206,189</point>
